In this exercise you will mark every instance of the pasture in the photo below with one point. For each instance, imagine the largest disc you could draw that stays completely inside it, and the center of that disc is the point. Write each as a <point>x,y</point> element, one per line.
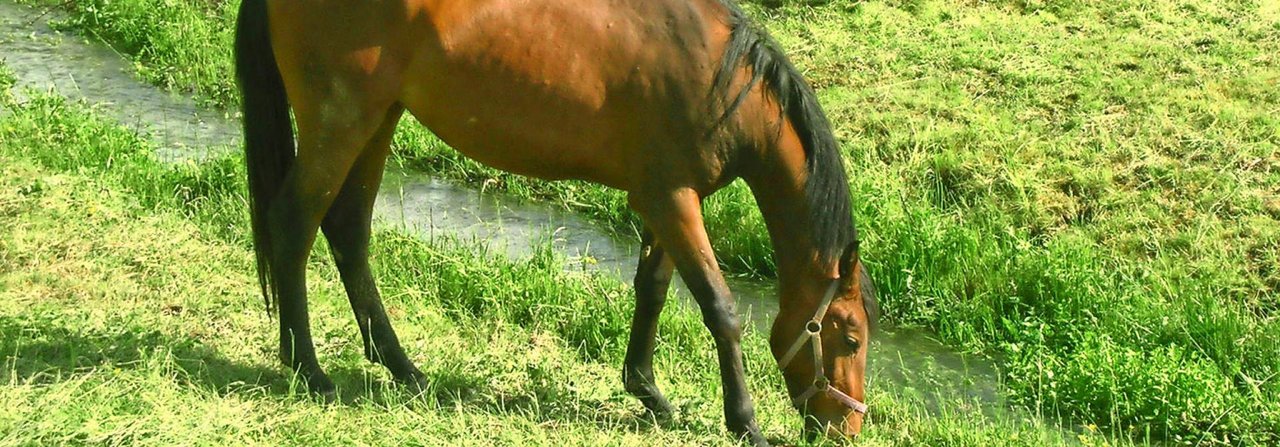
<point>1089,192</point>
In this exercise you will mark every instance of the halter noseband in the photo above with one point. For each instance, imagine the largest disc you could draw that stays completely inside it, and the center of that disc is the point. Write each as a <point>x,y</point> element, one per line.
<point>820,381</point>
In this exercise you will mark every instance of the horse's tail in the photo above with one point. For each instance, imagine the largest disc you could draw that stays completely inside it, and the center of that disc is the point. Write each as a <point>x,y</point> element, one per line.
<point>268,129</point>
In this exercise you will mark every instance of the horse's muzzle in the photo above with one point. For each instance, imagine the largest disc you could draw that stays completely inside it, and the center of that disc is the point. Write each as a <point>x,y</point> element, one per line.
<point>840,428</point>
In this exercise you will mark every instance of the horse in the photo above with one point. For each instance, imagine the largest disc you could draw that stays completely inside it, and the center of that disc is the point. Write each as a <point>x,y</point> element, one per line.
<point>667,100</point>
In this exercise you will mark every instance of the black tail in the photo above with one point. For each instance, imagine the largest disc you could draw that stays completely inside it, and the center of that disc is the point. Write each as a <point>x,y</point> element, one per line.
<point>268,130</point>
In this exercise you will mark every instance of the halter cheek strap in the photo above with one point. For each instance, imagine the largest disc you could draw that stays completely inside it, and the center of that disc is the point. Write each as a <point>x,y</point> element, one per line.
<point>820,382</point>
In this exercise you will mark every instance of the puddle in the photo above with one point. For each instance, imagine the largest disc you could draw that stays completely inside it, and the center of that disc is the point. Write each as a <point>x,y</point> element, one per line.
<point>907,362</point>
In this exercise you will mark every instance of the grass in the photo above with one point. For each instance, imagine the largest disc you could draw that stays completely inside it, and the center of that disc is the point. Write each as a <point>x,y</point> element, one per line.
<point>1087,189</point>
<point>129,315</point>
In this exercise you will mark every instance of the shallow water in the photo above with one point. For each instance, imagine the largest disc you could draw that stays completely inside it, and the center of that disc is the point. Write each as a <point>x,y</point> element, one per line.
<point>907,359</point>
<point>45,59</point>
<point>905,362</point>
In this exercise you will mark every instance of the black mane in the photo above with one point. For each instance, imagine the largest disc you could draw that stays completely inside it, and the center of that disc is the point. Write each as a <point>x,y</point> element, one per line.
<point>827,187</point>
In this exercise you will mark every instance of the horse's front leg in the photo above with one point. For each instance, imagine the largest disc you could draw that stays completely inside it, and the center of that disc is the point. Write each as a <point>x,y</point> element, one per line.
<point>653,278</point>
<point>676,220</point>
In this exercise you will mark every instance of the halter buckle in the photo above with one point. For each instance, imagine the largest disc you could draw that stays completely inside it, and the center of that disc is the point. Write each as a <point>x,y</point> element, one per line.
<point>821,382</point>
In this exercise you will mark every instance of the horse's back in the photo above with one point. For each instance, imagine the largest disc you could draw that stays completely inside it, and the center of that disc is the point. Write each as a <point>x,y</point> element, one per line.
<point>547,88</point>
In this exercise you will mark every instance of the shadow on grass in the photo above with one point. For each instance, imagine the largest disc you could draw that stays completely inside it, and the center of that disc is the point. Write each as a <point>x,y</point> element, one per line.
<point>43,352</point>
<point>35,350</point>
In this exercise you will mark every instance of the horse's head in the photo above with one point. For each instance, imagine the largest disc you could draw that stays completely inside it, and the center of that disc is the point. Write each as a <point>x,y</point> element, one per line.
<point>820,342</point>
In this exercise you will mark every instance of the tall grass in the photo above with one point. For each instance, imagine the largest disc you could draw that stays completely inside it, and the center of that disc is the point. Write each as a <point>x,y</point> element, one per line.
<point>1088,189</point>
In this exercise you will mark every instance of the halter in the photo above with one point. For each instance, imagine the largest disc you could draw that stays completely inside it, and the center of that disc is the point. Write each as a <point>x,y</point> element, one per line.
<point>820,381</point>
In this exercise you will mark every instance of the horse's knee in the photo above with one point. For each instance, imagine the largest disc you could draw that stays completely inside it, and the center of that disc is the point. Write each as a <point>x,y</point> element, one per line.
<point>652,279</point>
<point>349,258</point>
<point>657,276</point>
<point>651,286</point>
<point>722,320</point>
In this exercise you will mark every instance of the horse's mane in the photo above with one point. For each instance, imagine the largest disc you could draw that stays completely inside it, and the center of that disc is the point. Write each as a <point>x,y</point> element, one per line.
<point>826,188</point>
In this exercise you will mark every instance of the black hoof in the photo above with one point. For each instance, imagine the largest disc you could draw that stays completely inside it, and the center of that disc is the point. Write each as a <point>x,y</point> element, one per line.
<point>319,383</point>
<point>752,435</point>
<point>416,382</point>
<point>327,396</point>
<point>758,439</point>
<point>661,410</point>
<point>653,399</point>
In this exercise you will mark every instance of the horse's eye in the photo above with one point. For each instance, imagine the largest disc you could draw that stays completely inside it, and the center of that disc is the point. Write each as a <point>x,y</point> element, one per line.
<point>853,342</point>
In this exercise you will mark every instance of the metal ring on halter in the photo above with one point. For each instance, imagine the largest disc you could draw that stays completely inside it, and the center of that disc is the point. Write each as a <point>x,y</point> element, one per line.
<point>813,327</point>
<point>821,384</point>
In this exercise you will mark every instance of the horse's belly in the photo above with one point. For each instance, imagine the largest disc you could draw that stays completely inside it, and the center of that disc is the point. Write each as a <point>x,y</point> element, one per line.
<point>517,150</point>
<point>549,130</point>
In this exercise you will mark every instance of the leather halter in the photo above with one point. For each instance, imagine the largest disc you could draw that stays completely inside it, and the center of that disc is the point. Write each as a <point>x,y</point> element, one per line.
<point>820,382</point>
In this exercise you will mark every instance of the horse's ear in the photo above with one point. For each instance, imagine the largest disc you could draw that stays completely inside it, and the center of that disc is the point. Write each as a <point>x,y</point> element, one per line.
<point>848,260</point>
<point>869,302</point>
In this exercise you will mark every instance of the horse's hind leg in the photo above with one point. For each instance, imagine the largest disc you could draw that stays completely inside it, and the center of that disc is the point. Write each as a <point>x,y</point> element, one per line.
<point>347,228</point>
<point>653,278</point>
<point>327,148</point>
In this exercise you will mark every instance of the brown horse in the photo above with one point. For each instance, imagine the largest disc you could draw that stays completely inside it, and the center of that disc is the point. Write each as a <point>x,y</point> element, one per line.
<point>668,100</point>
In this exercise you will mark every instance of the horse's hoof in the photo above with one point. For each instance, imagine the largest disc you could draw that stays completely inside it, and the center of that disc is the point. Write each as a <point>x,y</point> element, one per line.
<point>655,404</point>
<point>662,414</point>
<point>754,437</point>
<point>328,396</point>
<point>416,382</point>
<point>322,387</point>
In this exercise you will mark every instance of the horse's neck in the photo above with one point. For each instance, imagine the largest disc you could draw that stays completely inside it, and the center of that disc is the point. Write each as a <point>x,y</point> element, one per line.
<point>777,181</point>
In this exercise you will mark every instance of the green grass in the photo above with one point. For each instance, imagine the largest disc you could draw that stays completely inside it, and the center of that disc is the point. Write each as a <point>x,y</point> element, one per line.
<point>129,314</point>
<point>1089,189</point>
